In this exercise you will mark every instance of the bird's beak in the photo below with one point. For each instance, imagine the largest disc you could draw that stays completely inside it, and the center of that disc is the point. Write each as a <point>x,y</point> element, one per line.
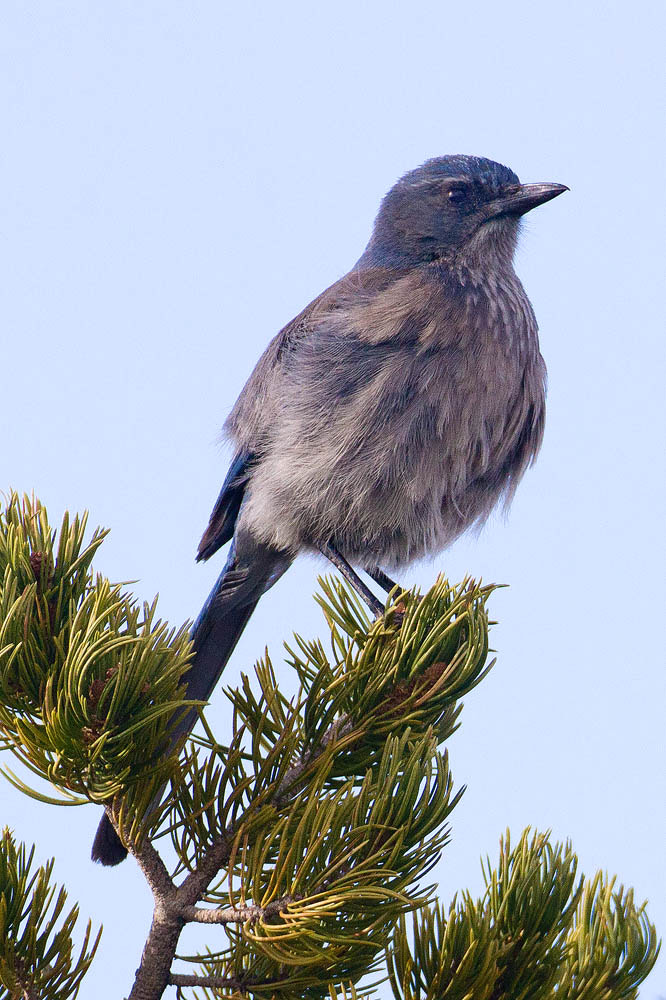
<point>520,198</point>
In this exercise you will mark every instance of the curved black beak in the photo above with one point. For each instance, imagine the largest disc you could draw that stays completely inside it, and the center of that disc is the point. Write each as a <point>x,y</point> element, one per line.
<point>520,198</point>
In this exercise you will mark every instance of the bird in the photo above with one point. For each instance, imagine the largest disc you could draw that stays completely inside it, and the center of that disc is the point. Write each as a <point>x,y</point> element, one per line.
<point>394,413</point>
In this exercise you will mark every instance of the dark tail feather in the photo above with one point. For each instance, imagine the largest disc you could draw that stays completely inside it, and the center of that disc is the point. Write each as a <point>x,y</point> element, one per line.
<point>249,572</point>
<point>107,846</point>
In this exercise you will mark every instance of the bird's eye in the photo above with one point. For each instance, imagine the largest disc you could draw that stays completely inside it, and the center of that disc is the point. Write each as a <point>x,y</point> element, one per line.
<point>457,194</point>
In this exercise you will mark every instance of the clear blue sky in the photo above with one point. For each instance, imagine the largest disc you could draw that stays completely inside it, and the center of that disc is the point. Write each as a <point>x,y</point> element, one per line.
<point>178,180</point>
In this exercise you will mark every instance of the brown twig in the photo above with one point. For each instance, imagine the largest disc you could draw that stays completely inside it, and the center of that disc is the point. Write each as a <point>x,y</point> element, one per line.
<point>236,914</point>
<point>153,975</point>
<point>154,871</point>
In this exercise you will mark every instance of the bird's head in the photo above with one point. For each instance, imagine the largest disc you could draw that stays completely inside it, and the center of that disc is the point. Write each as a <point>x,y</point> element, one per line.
<point>453,208</point>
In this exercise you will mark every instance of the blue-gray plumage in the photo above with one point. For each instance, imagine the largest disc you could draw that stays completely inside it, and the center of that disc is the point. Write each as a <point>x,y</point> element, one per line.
<point>394,413</point>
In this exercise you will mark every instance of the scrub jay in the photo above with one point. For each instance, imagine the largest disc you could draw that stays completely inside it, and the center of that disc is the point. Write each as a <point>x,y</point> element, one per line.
<point>394,413</point>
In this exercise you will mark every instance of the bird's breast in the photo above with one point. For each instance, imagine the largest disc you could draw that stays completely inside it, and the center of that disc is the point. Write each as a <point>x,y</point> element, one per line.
<point>402,418</point>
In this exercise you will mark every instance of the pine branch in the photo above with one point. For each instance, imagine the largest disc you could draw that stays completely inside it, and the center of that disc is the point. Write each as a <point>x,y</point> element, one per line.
<point>539,931</point>
<point>219,853</point>
<point>236,914</point>
<point>37,957</point>
<point>152,976</point>
<point>151,864</point>
<point>312,831</point>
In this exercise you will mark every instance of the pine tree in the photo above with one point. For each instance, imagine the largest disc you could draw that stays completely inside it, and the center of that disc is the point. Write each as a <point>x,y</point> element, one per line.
<point>309,835</point>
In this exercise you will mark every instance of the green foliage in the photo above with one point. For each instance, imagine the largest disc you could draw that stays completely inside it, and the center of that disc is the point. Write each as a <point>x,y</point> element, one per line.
<point>415,665</point>
<point>536,934</point>
<point>324,812</point>
<point>611,947</point>
<point>89,680</point>
<point>36,950</point>
<point>346,835</point>
<point>348,863</point>
<point>410,668</point>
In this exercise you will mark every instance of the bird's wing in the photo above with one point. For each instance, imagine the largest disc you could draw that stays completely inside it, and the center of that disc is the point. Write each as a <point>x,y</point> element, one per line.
<point>251,420</point>
<point>223,518</point>
<point>354,314</point>
<point>246,426</point>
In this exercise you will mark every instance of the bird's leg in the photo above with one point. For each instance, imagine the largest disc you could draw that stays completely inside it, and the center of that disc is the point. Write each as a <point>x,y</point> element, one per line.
<point>380,578</point>
<point>341,563</point>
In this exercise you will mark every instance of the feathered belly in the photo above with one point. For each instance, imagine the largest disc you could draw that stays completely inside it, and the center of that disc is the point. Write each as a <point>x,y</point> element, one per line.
<point>390,484</point>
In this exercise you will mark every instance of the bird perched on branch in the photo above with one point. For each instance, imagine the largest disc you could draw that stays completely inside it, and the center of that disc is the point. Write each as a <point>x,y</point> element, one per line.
<point>395,412</point>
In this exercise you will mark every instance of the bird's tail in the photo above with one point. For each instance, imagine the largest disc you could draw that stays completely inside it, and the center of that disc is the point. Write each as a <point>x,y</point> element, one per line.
<point>250,571</point>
